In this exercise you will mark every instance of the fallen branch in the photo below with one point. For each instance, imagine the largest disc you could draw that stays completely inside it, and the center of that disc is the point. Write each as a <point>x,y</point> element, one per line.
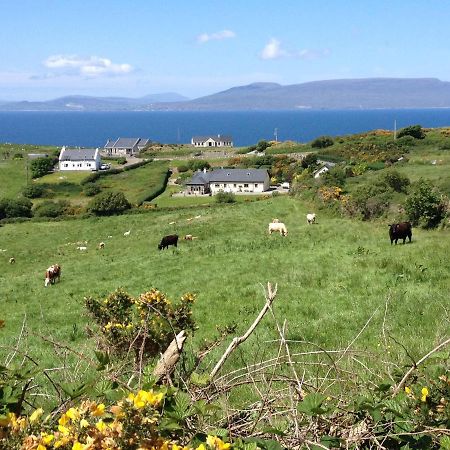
<point>170,357</point>
<point>271,293</point>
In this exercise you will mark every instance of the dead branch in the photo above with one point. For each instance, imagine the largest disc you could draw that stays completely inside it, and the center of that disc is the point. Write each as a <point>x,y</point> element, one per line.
<point>270,296</point>
<point>170,357</point>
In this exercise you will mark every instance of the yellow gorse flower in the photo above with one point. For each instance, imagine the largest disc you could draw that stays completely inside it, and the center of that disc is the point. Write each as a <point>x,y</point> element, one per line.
<point>144,398</point>
<point>99,410</point>
<point>217,443</point>
<point>425,394</point>
<point>35,416</point>
<point>47,438</point>
<point>408,390</point>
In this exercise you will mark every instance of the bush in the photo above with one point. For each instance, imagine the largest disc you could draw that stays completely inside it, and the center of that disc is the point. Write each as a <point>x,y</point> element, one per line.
<point>310,160</point>
<point>33,191</point>
<point>425,205</point>
<point>91,189</point>
<point>369,201</point>
<point>414,130</point>
<point>334,177</point>
<point>396,181</point>
<point>183,168</point>
<point>225,197</point>
<point>322,142</point>
<point>109,203</point>
<point>51,209</point>
<point>15,208</point>
<point>195,165</point>
<point>121,160</point>
<point>41,166</point>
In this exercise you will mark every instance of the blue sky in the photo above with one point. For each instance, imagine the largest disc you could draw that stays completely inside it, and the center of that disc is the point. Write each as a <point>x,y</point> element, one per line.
<point>132,48</point>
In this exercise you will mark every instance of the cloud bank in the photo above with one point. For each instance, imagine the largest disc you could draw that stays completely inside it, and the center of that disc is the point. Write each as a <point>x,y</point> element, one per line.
<point>219,36</point>
<point>91,66</point>
<point>274,50</point>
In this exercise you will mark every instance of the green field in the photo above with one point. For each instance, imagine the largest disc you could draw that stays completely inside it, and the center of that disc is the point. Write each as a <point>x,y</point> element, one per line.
<point>331,276</point>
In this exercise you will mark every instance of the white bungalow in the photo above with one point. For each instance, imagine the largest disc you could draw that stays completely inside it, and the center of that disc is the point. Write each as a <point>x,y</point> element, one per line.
<point>212,141</point>
<point>125,146</point>
<point>238,181</point>
<point>79,159</point>
<point>325,168</point>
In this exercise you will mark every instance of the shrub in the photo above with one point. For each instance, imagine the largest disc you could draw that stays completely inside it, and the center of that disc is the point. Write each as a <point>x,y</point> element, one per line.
<point>334,177</point>
<point>414,130</point>
<point>322,142</point>
<point>225,197</point>
<point>50,208</point>
<point>121,160</point>
<point>396,181</point>
<point>310,160</point>
<point>41,166</point>
<point>183,168</point>
<point>15,208</point>
<point>33,191</point>
<point>91,189</point>
<point>198,165</point>
<point>109,203</point>
<point>368,201</point>
<point>425,205</point>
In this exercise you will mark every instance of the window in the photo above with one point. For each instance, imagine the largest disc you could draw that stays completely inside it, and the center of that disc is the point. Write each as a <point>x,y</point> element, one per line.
<point>256,185</point>
<point>234,185</point>
<point>245,185</point>
<point>66,165</point>
<point>217,185</point>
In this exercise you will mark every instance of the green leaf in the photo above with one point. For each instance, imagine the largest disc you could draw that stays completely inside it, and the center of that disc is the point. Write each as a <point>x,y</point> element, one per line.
<point>312,404</point>
<point>199,379</point>
<point>445,443</point>
<point>265,444</point>
<point>168,424</point>
<point>103,359</point>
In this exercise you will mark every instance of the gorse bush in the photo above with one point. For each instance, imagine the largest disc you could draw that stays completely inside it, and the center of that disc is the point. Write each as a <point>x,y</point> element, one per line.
<point>91,189</point>
<point>50,208</point>
<point>414,131</point>
<point>10,208</point>
<point>396,181</point>
<point>33,191</point>
<point>146,324</point>
<point>42,166</point>
<point>322,142</point>
<point>225,197</point>
<point>109,203</point>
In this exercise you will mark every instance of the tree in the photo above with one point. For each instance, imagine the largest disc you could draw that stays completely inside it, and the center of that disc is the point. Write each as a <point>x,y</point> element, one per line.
<point>109,203</point>
<point>396,180</point>
<point>15,208</point>
<point>41,166</point>
<point>262,145</point>
<point>414,130</point>
<point>425,205</point>
<point>310,160</point>
<point>322,142</point>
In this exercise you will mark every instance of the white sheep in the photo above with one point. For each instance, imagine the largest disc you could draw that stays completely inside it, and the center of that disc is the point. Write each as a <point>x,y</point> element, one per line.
<point>311,218</point>
<point>101,245</point>
<point>127,233</point>
<point>278,226</point>
<point>12,260</point>
<point>82,249</point>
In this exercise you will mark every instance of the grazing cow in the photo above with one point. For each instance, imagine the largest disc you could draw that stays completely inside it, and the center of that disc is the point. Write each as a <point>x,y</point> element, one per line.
<point>12,260</point>
<point>311,218</point>
<point>400,230</point>
<point>51,274</point>
<point>101,246</point>
<point>278,226</point>
<point>127,233</point>
<point>166,241</point>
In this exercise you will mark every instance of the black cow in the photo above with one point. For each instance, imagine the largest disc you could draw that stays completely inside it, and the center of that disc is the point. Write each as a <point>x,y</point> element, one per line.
<point>171,239</point>
<point>400,231</point>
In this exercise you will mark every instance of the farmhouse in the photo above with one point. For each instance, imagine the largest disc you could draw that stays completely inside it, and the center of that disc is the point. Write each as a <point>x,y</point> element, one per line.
<point>325,168</point>
<point>212,141</point>
<point>125,146</point>
<point>79,159</point>
<point>229,180</point>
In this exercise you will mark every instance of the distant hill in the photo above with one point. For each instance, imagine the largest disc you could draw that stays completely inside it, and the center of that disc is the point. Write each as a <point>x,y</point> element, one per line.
<point>87,103</point>
<point>370,93</point>
<point>366,93</point>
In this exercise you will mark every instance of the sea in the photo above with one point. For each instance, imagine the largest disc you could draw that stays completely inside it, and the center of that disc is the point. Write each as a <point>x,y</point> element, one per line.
<point>93,129</point>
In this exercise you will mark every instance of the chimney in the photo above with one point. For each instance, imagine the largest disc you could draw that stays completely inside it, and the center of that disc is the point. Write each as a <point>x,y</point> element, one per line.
<point>204,169</point>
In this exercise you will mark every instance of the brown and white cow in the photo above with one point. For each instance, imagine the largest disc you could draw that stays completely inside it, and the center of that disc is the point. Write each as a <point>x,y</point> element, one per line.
<point>52,274</point>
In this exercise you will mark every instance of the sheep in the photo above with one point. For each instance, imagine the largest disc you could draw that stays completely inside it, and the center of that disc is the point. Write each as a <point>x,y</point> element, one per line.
<point>275,220</point>
<point>311,218</point>
<point>127,233</point>
<point>101,246</point>
<point>12,260</point>
<point>82,249</point>
<point>278,226</point>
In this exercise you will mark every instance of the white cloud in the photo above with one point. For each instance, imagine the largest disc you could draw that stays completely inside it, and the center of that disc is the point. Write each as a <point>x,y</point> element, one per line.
<point>310,53</point>
<point>91,66</point>
<point>220,35</point>
<point>273,50</point>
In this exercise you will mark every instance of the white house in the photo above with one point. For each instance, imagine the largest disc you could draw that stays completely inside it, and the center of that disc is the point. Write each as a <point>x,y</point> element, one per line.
<point>325,168</point>
<point>125,146</point>
<point>79,159</point>
<point>212,141</point>
<point>229,180</point>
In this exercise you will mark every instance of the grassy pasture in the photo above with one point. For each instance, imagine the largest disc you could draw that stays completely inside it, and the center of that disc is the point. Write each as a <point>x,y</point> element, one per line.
<point>332,276</point>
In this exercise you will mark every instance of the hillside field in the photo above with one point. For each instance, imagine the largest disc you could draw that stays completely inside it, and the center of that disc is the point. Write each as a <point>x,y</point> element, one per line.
<point>332,276</point>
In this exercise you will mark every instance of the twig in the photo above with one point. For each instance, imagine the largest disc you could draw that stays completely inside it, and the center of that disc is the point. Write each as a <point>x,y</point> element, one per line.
<point>239,340</point>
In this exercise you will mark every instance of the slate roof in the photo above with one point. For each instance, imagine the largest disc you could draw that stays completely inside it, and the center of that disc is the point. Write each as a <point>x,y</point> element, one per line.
<point>143,142</point>
<point>75,154</point>
<point>126,143</point>
<point>238,175</point>
<point>199,178</point>
<point>216,138</point>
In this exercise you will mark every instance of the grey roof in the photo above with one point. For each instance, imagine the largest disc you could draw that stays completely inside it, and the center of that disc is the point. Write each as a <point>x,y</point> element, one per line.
<point>126,142</point>
<point>75,154</point>
<point>199,178</point>
<point>143,142</point>
<point>238,175</point>
<point>216,138</point>
<point>109,143</point>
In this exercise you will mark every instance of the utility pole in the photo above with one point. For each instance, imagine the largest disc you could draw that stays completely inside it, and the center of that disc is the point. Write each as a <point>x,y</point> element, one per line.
<point>395,130</point>
<point>275,133</point>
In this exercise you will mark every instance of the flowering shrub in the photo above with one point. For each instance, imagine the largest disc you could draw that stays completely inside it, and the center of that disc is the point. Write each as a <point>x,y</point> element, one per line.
<point>147,323</point>
<point>134,422</point>
<point>329,193</point>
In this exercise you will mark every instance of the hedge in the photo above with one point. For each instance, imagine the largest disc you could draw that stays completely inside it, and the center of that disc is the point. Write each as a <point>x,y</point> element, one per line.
<point>150,195</point>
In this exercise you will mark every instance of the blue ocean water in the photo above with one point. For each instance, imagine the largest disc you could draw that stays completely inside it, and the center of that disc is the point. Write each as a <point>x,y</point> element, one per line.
<point>86,129</point>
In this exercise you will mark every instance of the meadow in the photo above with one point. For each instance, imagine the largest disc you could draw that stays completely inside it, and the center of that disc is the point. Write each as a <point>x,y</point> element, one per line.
<point>332,277</point>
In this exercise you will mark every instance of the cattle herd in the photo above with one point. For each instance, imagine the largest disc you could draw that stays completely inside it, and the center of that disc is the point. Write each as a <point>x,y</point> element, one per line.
<point>401,230</point>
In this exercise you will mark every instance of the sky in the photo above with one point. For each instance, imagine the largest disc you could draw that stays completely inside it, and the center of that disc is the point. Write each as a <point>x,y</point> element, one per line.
<point>132,48</point>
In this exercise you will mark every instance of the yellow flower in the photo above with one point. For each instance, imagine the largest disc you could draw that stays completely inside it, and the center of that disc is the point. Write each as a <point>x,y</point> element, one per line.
<point>217,443</point>
<point>41,447</point>
<point>73,414</point>
<point>65,431</point>
<point>100,425</point>
<point>47,438</point>
<point>201,447</point>
<point>408,390</point>
<point>84,423</point>
<point>425,394</point>
<point>35,416</point>
<point>64,419</point>
<point>99,410</point>
<point>77,446</point>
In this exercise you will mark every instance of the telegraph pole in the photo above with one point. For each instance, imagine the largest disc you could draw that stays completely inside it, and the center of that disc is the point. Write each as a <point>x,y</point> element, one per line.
<point>275,133</point>
<point>395,130</point>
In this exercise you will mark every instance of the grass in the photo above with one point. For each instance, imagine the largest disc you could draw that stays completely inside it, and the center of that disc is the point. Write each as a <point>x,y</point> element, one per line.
<point>332,276</point>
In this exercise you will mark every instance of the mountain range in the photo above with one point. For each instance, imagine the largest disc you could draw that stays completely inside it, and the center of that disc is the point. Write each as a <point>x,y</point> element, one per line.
<point>366,93</point>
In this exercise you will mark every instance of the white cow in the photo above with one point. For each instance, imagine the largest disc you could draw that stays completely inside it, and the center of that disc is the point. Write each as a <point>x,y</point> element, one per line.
<point>311,218</point>
<point>278,226</point>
